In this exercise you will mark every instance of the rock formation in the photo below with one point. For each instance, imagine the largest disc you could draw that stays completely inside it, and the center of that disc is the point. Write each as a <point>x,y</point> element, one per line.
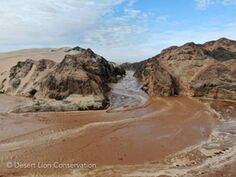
<point>131,66</point>
<point>85,73</point>
<point>24,76</point>
<point>80,80</point>
<point>206,70</point>
<point>163,85</point>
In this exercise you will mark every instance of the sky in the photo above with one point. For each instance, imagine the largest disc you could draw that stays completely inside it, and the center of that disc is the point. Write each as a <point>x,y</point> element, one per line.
<point>119,30</point>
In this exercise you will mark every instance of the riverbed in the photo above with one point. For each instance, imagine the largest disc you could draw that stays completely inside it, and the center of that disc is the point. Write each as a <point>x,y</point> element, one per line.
<point>127,93</point>
<point>170,136</point>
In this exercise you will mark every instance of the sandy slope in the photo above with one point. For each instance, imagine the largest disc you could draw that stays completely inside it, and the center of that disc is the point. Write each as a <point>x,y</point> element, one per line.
<point>9,59</point>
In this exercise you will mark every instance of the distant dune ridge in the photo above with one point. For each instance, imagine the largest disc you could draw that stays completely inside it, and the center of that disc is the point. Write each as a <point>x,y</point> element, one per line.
<point>79,81</point>
<point>199,70</point>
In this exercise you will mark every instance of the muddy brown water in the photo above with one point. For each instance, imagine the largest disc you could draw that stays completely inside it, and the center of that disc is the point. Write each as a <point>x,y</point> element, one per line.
<point>142,135</point>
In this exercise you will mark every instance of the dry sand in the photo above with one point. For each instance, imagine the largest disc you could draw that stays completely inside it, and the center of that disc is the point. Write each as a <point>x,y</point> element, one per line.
<point>9,59</point>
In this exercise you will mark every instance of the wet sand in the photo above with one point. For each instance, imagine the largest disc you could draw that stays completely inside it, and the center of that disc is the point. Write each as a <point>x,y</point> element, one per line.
<point>8,103</point>
<point>116,139</point>
<point>136,136</point>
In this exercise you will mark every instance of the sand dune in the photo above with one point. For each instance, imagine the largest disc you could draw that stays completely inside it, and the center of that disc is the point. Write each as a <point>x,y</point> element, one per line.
<point>9,59</point>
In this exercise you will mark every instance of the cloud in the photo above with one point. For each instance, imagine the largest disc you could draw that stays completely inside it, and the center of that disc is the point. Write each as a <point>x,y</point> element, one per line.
<point>158,40</point>
<point>49,21</point>
<point>113,28</point>
<point>87,23</point>
<point>197,35</point>
<point>203,4</point>
<point>162,18</point>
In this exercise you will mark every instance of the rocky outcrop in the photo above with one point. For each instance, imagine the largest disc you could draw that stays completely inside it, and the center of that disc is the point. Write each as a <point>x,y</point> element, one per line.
<point>24,76</point>
<point>215,81</point>
<point>77,48</point>
<point>206,70</point>
<point>75,79</point>
<point>156,80</point>
<point>131,66</point>
<point>18,72</point>
<point>222,49</point>
<point>86,73</point>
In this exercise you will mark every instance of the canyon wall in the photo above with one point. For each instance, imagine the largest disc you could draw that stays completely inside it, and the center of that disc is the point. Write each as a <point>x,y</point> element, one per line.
<point>198,70</point>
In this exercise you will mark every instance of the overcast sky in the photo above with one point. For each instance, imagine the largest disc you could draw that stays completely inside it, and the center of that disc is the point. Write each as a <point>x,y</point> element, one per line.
<point>120,30</point>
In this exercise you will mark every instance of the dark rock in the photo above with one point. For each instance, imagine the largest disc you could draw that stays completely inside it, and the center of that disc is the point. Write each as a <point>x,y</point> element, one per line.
<point>77,48</point>
<point>156,80</point>
<point>44,64</point>
<point>131,66</point>
<point>19,71</point>
<point>215,81</point>
<point>206,70</point>
<point>85,73</point>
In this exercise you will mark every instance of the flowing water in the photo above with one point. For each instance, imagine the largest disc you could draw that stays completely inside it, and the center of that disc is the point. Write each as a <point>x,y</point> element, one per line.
<point>127,93</point>
<point>169,136</point>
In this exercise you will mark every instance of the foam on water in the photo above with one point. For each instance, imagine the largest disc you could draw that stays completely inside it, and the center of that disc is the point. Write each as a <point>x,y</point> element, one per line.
<point>127,92</point>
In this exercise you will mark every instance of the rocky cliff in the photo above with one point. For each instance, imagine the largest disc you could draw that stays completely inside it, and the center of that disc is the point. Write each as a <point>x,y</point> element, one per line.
<point>78,80</point>
<point>205,70</point>
<point>131,66</point>
<point>85,73</point>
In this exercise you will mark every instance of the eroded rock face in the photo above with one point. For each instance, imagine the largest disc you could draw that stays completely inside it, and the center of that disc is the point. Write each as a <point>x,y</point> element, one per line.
<point>156,80</point>
<point>85,73</point>
<point>23,77</point>
<point>75,77</point>
<point>215,81</point>
<point>222,49</point>
<point>20,71</point>
<point>131,66</point>
<point>206,70</point>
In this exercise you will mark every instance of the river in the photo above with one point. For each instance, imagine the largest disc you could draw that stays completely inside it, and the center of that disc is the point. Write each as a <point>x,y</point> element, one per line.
<point>127,93</point>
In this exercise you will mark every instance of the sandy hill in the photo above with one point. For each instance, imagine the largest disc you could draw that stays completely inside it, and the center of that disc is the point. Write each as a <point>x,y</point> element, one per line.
<point>9,59</point>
